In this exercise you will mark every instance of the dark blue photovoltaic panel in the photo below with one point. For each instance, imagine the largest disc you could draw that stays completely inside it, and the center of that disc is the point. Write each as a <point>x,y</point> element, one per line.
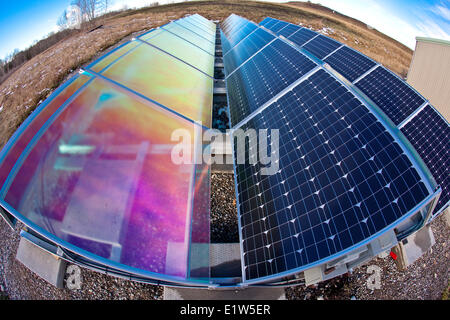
<point>390,93</point>
<point>246,48</point>
<point>322,46</point>
<point>278,26</point>
<point>232,24</point>
<point>429,134</point>
<point>262,77</point>
<point>225,43</point>
<point>268,22</point>
<point>341,179</point>
<point>235,28</point>
<point>241,33</point>
<point>288,30</point>
<point>350,63</point>
<point>302,36</point>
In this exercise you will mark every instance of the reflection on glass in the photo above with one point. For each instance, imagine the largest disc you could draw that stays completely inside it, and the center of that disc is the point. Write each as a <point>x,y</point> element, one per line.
<point>166,80</point>
<point>113,56</point>
<point>183,50</point>
<point>190,36</point>
<point>101,178</point>
<point>48,108</point>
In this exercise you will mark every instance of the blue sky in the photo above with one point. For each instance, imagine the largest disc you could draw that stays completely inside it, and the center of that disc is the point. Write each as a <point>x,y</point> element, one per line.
<point>24,21</point>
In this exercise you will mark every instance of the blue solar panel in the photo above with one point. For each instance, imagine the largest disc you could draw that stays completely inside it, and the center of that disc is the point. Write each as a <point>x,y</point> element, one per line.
<point>278,26</point>
<point>341,179</point>
<point>262,77</point>
<point>246,48</point>
<point>302,36</point>
<point>288,30</point>
<point>237,29</point>
<point>350,63</point>
<point>241,33</point>
<point>225,43</point>
<point>268,22</point>
<point>390,93</point>
<point>322,46</point>
<point>429,134</point>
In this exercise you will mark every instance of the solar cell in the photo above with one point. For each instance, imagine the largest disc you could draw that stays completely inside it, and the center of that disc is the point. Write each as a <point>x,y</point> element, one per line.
<point>350,63</point>
<point>321,46</point>
<point>246,48</point>
<point>429,134</point>
<point>262,77</point>
<point>342,178</point>
<point>396,98</point>
<point>302,36</point>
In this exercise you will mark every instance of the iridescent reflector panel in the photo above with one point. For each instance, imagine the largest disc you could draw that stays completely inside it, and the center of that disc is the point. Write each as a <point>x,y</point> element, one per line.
<point>190,36</point>
<point>163,78</point>
<point>183,50</point>
<point>23,136</point>
<point>98,174</point>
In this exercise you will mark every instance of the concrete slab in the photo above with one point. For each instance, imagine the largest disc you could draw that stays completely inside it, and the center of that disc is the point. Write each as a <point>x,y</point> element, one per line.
<point>205,294</point>
<point>413,247</point>
<point>48,266</point>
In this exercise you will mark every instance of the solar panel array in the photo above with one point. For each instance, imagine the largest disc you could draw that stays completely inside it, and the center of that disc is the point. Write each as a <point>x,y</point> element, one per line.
<point>429,133</point>
<point>342,179</point>
<point>343,176</point>
<point>392,95</point>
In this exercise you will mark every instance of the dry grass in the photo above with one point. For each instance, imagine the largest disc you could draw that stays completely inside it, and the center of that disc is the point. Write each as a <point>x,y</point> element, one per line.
<point>389,52</point>
<point>36,79</point>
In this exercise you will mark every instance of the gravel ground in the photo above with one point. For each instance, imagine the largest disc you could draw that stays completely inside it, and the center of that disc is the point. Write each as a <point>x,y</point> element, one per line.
<point>17,282</point>
<point>426,279</point>
<point>224,228</point>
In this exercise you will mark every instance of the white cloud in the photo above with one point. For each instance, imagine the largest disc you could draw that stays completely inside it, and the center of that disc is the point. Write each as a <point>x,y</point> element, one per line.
<point>381,17</point>
<point>441,11</point>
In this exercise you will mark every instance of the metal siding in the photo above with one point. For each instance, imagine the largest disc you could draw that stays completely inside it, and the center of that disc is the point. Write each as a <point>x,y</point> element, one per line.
<point>430,74</point>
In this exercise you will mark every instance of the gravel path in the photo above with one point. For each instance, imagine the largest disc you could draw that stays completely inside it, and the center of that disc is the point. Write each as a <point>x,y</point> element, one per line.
<point>426,279</point>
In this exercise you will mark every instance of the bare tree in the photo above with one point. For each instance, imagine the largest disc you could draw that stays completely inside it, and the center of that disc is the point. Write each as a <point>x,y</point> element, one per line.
<point>87,8</point>
<point>104,5</point>
<point>63,22</point>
